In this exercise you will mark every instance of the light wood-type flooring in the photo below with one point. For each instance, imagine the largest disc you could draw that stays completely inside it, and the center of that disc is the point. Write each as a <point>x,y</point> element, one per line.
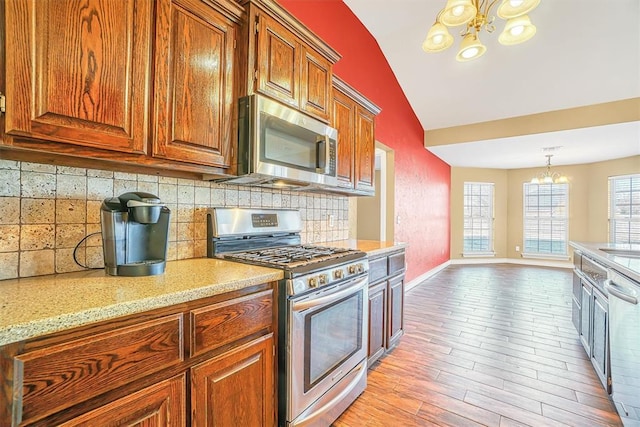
<point>486,345</point>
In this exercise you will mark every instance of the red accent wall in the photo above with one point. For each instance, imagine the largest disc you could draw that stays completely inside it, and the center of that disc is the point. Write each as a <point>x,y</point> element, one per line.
<point>422,179</point>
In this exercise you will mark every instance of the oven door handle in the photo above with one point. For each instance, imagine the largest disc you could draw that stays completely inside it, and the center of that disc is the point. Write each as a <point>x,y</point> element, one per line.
<point>357,285</point>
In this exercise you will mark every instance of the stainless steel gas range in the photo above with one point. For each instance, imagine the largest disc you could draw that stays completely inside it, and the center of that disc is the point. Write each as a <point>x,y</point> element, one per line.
<point>322,310</point>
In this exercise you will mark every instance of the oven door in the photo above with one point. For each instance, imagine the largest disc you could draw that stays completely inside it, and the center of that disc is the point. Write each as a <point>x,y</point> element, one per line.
<point>327,339</point>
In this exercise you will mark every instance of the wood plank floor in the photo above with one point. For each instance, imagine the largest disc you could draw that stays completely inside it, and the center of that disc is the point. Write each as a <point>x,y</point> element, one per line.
<point>486,345</point>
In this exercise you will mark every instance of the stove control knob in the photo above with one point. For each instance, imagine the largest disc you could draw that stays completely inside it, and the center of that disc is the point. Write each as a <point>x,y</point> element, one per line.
<point>323,279</point>
<point>351,269</point>
<point>313,282</point>
<point>360,268</point>
<point>338,274</point>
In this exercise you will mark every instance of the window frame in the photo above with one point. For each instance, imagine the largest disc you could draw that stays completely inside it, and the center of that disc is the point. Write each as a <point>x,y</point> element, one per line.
<point>631,219</point>
<point>552,219</point>
<point>488,220</point>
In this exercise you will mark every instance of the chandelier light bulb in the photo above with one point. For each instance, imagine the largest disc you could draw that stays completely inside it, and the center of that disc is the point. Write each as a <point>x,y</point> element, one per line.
<point>514,8</point>
<point>470,48</point>
<point>437,39</point>
<point>516,3</point>
<point>458,10</point>
<point>516,30</point>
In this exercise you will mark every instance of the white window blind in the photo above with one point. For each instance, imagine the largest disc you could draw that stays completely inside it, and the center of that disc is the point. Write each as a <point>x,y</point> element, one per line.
<point>478,218</point>
<point>624,209</point>
<point>546,219</point>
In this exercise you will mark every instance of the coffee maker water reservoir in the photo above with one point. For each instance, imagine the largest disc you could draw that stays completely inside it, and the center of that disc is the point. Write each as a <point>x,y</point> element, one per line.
<point>135,228</point>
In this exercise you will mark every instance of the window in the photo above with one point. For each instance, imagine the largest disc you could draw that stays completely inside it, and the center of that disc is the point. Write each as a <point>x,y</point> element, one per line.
<point>624,209</point>
<point>478,218</point>
<point>546,218</point>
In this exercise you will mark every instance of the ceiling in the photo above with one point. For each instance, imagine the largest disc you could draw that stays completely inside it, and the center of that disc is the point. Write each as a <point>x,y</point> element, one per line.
<point>585,52</point>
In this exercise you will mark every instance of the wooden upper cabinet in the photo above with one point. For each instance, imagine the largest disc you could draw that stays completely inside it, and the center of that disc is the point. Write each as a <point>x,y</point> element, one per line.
<point>285,60</point>
<point>344,122</point>
<point>278,61</point>
<point>79,72</point>
<point>316,85</point>
<point>365,150</point>
<point>354,118</point>
<point>194,96</point>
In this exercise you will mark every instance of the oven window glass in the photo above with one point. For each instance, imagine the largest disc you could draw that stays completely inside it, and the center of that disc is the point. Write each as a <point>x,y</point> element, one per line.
<point>332,334</point>
<point>288,145</point>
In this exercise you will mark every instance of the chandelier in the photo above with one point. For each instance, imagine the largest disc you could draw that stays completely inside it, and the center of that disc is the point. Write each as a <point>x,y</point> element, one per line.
<point>548,177</point>
<point>475,15</point>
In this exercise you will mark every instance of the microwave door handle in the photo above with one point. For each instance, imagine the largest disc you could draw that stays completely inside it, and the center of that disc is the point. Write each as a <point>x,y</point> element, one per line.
<point>322,165</point>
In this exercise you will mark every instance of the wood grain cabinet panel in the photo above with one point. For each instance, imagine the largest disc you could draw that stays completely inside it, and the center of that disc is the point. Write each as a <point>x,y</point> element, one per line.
<point>316,85</point>
<point>237,388</point>
<point>353,116</point>
<point>162,404</point>
<point>79,72</point>
<point>219,324</point>
<point>377,321</point>
<point>344,122</point>
<point>194,95</point>
<point>60,376</point>
<point>278,61</point>
<point>395,314</point>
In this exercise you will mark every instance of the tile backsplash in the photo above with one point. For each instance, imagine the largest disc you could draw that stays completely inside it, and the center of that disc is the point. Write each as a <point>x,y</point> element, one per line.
<point>47,210</point>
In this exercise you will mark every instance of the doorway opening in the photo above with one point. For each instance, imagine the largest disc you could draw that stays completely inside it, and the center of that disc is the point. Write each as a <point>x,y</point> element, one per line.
<point>372,216</point>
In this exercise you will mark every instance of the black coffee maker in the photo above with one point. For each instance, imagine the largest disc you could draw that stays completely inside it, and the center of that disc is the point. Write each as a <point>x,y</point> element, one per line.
<point>135,230</point>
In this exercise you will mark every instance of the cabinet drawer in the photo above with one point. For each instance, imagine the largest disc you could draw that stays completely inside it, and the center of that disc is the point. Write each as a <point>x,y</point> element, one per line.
<point>396,263</point>
<point>57,377</point>
<point>377,269</point>
<point>219,324</point>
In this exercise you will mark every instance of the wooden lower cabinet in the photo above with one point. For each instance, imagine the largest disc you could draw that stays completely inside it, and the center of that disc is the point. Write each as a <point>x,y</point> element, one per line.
<point>235,388</point>
<point>386,303</point>
<point>162,404</point>
<point>377,320</point>
<point>206,362</point>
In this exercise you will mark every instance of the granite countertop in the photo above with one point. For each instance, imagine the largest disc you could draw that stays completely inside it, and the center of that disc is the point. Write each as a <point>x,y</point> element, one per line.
<point>371,247</point>
<point>629,266</point>
<point>35,306</point>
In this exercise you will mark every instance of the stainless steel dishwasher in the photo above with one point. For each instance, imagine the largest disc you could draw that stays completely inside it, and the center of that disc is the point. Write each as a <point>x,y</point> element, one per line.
<point>624,335</point>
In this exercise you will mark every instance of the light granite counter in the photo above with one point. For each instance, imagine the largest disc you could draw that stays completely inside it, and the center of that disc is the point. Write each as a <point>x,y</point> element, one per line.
<point>371,247</point>
<point>36,306</point>
<point>629,266</point>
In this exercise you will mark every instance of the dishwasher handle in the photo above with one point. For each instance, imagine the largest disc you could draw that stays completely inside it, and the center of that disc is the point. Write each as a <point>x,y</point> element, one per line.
<point>618,291</point>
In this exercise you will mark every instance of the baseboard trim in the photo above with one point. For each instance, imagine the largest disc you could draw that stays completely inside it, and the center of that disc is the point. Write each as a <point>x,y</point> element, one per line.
<point>415,282</point>
<point>523,261</point>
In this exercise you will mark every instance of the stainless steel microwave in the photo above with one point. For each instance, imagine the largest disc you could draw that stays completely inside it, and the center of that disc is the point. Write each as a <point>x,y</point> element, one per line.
<point>280,146</point>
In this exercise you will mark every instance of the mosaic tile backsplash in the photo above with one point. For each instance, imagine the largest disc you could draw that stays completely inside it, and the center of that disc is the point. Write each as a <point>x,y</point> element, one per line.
<point>46,211</point>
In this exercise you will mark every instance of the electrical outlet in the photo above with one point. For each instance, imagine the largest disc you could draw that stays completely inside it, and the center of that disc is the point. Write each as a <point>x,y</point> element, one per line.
<point>517,248</point>
<point>331,221</point>
<point>398,219</point>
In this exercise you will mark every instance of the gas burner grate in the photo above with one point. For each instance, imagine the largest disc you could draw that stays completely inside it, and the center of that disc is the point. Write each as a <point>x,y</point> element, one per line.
<point>290,256</point>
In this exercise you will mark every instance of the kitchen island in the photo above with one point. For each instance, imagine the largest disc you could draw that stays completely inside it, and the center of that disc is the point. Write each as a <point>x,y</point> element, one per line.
<point>606,314</point>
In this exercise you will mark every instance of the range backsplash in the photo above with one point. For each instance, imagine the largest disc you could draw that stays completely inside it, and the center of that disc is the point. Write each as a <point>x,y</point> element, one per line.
<point>46,210</point>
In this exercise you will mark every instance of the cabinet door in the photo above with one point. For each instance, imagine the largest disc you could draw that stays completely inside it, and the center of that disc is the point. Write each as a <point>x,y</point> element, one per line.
<point>162,404</point>
<point>78,72</point>
<point>585,315</point>
<point>236,388</point>
<point>315,85</point>
<point>365,151</point>
<point>343,121</point>
<point>600,347</point>
<point>278,62</point>
<point>193,84</point>
<point>395,325</point>
<point>377,321</point>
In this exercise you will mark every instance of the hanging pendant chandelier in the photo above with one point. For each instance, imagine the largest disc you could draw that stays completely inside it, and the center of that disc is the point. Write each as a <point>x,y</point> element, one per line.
<point>476,16</point>
<point>549,177</point>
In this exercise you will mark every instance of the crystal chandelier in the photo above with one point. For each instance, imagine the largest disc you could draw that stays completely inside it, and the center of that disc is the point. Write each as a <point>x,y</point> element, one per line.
<point>548,177</point>
<point>475,15</point>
